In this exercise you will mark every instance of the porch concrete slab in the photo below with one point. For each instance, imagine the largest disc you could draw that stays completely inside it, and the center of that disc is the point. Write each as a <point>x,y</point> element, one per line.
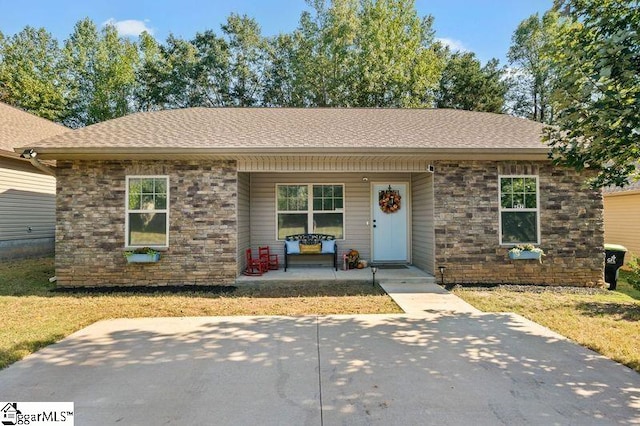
<point>445,369</point>
<point>303,274</point>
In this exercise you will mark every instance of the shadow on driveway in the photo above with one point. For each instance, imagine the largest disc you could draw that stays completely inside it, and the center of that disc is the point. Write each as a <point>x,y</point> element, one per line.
<point>368,369</point>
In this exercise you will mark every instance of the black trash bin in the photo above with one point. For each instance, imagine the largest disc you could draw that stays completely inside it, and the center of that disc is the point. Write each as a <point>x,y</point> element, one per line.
<point>613,260</point>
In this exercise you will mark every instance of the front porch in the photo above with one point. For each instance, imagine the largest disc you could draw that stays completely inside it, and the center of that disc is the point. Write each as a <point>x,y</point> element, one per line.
<point>325,275</point>
<point>344,202</point>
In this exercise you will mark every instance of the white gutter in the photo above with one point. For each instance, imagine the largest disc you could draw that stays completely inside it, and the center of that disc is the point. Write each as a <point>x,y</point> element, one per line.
<point>121,153</point>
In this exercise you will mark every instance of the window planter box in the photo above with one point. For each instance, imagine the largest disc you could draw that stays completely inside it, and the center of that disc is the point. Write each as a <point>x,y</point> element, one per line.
<point>143,258</point>
<point>525,254</point>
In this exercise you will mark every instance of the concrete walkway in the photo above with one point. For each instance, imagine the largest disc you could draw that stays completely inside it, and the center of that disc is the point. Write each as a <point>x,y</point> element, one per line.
<point>426,298</point>
<point>441,363</point>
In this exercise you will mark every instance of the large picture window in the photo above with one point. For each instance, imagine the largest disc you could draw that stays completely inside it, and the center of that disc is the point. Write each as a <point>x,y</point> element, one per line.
<point>147,211</point>
<point>519,213</point>
<point>310,208</point>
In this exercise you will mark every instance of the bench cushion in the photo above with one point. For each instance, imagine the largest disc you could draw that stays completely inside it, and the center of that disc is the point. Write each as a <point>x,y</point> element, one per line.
<point>293,247</point>
<point>328,246</point>
<point>310,248</point>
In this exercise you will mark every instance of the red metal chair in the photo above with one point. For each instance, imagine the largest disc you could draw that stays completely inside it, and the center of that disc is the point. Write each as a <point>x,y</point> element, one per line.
<point>255,267</point>
<point>271,260</point>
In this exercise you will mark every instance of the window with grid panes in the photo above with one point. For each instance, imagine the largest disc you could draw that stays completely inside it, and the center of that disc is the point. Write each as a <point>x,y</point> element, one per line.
<point>147,211</point>
<point>519,211</point>
<point>310,208</point>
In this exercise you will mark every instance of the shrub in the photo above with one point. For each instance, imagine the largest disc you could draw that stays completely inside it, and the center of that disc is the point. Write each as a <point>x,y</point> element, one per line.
<point>634,276</point>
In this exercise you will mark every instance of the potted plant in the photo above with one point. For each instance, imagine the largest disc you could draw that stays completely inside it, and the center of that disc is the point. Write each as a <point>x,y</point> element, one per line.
<point>526,251</point>
<point>142,255</point>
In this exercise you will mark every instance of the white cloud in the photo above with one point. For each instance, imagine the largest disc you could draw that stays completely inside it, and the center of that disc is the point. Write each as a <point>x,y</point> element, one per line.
<point>129,27</point>
<point>454,45</point>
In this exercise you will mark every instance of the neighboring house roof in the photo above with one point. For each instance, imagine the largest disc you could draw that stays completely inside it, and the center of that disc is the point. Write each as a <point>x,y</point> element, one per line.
<point>209,131</point>
<point>633,187</point>
<point>19,128</point>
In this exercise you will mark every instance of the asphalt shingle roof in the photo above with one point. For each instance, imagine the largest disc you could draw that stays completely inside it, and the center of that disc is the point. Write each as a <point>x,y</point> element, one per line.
<point>19,128</point>
<point>633,186</point>
<point>303,128</point>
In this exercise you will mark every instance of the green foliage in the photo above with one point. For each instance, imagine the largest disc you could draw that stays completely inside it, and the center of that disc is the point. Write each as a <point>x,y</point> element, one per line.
<point>465,84</point>
<point>210,78</point>
<point>344,53</point>
<point>101,71</point>
<point>279,87</point>
<point>532,78</point>
<point>247,57</point>
<point>148,78</point>
<point>141,250</point>
<point>633,277</point>
<point>31,75</point>
<point>597,56</point>
<point>181,76</point>
<point>397,63</point>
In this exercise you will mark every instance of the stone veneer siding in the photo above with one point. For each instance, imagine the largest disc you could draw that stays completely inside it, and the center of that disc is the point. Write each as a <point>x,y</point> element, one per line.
<point>467,227</point>
<point>90,231</point>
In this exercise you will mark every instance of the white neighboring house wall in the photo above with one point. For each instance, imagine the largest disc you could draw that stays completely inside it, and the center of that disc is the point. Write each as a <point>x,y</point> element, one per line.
<point>27,194</point>
<point>27,210</point>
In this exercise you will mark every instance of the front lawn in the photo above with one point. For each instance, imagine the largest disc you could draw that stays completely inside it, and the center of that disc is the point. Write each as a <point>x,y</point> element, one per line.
<point>32,316</point>
<point>607,322</point>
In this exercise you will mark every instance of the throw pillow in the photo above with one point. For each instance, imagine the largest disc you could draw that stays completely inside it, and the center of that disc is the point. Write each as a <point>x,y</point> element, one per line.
<point>293,247</point>
<point>328,246</point>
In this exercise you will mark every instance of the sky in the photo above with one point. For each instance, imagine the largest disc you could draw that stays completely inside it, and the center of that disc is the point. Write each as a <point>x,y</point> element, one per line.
<point>484,27</point>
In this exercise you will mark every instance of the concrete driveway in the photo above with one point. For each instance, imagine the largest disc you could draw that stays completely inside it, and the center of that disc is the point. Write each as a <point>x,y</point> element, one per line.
<point>433,368</point>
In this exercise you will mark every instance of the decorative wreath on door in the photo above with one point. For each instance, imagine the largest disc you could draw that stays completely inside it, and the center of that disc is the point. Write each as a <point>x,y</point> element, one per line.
<point>389,200</point>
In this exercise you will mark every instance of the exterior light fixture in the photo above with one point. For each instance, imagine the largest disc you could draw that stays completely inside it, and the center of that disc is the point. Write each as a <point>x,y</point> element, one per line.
<point>374,269</point>
<point>28,153</point>
<point>442,268</point>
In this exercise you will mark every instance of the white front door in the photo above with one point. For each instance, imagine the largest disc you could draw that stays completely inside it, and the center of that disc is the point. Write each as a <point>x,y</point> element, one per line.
<point>389,222</point>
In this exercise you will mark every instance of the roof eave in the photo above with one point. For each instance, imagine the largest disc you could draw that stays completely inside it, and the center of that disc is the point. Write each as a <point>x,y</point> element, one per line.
<point>149,153</point>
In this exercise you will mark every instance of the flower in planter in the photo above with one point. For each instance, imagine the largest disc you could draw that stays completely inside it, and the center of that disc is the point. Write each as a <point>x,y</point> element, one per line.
<point>516,251</point>
<point>141,250</point>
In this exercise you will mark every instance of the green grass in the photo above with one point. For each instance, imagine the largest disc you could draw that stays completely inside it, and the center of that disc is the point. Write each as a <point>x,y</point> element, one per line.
<point>32,316</point>
<point>606,323</point>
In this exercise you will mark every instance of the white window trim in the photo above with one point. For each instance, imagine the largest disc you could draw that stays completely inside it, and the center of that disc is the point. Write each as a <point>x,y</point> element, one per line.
<point>127,211</point>
<point>536,210</point>
<point>310,205</point>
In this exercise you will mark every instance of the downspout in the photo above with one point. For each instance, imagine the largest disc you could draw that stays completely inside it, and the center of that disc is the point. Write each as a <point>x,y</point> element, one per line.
<point>30,155</point>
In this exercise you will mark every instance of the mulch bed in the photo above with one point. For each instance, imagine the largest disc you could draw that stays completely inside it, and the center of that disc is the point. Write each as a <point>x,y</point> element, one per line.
<point>211,289</point>
<point>532,288</point>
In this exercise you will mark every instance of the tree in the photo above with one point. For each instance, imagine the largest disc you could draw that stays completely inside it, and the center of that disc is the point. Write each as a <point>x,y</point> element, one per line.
<point>246,64</point>
<point>597,55</point>
<point>279,77</point>
<point>101,72</point>
<point>465,84</point>
<point>31,76</point>
<point>114,82</point>
<point>532,79</point>
<point>211,71</point>
<point>397,63</point>
<point>365,53</point>
<point>322,53</point>
<point>183,79</point>
<point>150,76</point>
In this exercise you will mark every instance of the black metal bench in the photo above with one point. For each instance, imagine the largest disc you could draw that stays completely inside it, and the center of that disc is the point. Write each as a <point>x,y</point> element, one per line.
<point>310,240</point>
